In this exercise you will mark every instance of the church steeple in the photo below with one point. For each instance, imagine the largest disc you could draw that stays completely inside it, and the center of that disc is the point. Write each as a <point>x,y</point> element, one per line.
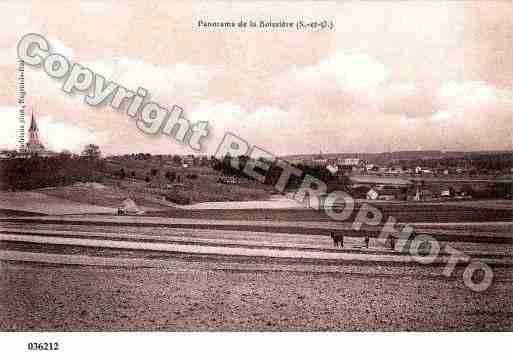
<point>33,124</point>
<point>34,143</point>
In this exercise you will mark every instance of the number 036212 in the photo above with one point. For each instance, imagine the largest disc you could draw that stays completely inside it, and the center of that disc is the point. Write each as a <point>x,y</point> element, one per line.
<point>43,346</point>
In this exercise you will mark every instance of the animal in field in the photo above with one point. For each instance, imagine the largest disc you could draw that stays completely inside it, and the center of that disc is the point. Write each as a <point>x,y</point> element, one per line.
<point>338,239</point>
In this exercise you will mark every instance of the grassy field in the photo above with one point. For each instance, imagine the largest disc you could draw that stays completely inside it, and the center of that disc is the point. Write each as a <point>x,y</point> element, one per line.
<point>404,212</point>
<point>101,195</point>
<point>14,213</point>
<point>192,184</point>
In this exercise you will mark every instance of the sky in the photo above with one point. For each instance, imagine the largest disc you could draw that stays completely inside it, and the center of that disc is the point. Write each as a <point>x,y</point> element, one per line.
<point>390,76</point>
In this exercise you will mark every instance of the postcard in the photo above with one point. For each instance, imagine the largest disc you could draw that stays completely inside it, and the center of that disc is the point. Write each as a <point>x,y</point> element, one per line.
<point>255,167</point>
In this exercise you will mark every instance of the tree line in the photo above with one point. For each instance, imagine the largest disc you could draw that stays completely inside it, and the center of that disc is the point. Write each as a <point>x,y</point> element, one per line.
<point>333,181</point>
<point>28,173</point>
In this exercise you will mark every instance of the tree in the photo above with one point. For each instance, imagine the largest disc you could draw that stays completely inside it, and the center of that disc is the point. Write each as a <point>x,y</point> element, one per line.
<point>170,176</point>
<point>205,161</point>
<point>65,154</point>
<point>177,160</point>
<point>92,151</point>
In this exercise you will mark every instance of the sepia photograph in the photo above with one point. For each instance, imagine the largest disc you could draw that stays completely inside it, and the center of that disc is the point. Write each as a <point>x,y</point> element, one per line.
<point>255,170</point>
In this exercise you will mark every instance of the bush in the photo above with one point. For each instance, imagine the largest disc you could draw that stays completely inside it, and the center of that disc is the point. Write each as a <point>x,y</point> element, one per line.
<point>177,198</point>
<point>38,172</point>
<point>171,176</point>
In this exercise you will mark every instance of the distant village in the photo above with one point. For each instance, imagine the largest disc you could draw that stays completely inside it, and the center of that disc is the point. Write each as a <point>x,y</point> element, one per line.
<point>394,176</point>
<point>420,176</point>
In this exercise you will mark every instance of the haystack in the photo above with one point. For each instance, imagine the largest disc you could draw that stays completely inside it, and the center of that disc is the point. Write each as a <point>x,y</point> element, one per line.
<point>129,207</point>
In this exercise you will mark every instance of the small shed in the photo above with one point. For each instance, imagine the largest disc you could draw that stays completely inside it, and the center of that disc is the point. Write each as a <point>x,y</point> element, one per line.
<point>128,207</point>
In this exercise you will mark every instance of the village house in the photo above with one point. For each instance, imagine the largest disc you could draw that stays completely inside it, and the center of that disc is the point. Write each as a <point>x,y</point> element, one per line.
<point>386,194</point>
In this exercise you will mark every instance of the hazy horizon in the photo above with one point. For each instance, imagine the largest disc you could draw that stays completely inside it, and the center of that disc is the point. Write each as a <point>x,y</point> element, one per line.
<point>391,76</point>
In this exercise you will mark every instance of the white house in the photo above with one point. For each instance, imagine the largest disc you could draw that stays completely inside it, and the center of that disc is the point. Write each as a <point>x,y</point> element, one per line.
<point>332,168</point>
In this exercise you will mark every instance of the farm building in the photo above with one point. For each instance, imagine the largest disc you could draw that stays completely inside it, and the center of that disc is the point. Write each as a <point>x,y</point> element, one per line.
<point>386,194</point>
